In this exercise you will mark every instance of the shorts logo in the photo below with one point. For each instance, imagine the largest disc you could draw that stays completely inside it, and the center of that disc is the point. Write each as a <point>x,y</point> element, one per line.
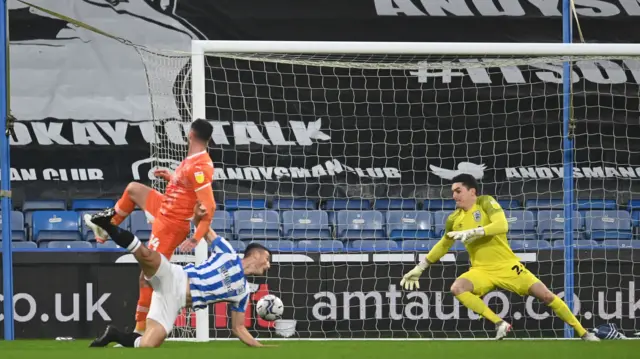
<point>199,177</point>
<point>476,216</point>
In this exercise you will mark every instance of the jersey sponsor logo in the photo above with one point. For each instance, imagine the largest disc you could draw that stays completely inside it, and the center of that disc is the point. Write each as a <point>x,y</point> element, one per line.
<point>477,171</point>
<point>199,177</point>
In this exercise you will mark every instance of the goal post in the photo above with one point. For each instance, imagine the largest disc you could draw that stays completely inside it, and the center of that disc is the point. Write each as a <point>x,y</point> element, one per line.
<point>451,65</point>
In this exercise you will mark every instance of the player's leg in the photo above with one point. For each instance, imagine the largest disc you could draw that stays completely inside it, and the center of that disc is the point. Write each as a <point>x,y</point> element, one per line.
<point>469,289</point>
<point>540,291</point>
<point>518,279</point>
<point>165,238</point>
<point>148,260</point>
<point>134,194</point>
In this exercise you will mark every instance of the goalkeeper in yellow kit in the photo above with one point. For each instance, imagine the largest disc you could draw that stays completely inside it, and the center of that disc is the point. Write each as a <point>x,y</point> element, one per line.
<point>480,223</point>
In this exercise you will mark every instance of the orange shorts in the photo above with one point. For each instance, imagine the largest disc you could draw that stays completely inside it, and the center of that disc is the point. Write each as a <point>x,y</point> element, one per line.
<point>166,234</point>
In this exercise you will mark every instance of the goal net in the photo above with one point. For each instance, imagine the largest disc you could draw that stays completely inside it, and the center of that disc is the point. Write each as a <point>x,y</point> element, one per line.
<point>365,139</point>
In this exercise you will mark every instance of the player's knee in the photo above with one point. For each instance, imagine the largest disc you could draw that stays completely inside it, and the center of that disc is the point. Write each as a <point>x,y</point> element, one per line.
<point>458,287</point>
<point>541,292</point>
<point>150,342</point>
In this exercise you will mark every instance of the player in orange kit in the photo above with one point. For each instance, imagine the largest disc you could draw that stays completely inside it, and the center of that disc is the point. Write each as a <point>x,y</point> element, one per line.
<point>172,212</point>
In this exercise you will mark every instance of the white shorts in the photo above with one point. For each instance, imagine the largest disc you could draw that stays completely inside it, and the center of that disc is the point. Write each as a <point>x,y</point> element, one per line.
<point>169,293</point>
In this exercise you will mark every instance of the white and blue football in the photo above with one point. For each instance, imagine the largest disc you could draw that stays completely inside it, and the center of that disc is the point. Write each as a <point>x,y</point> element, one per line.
<point>270,307</point>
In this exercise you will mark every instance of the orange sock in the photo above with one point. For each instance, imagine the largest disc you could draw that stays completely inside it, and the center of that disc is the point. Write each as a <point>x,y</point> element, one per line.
<point>123,208</point>
<point>144,302</point>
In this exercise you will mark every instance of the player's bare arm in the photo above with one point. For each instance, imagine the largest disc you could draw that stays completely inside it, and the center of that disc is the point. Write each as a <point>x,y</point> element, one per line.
<point>239,330</point>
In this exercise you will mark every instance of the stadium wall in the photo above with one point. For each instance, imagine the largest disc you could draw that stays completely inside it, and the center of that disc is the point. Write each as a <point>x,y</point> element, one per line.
<point>66,294</point>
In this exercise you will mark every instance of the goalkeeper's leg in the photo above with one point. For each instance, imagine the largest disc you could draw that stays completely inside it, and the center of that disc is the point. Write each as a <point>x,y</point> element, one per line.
<point>469,288</point>
<point>540,291</point>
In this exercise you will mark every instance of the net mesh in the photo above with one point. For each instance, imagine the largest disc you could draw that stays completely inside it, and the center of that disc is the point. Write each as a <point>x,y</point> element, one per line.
<point>366,128</point>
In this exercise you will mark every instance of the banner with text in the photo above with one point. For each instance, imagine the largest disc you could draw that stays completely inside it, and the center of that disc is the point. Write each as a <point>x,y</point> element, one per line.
<point>328,297</point>
<point>91,109</point>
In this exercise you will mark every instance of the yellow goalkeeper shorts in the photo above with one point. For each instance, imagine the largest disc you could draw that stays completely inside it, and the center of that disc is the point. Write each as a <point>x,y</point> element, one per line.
<point>514,277</point>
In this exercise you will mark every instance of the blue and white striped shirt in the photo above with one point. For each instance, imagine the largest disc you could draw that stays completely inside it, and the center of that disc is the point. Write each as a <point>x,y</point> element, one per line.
<point>219,279</point>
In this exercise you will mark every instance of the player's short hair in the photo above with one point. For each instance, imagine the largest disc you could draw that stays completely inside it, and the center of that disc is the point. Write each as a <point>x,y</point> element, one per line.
<point>467,180</point>
<point>202,129</point>
<point>255,248</point>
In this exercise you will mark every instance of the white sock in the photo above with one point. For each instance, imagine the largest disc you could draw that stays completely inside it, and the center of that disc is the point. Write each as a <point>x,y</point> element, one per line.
<point>136,343</point>
<point>135,244</point>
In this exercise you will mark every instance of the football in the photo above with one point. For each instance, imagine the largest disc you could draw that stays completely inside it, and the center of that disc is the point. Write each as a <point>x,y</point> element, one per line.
<point>270,307</point>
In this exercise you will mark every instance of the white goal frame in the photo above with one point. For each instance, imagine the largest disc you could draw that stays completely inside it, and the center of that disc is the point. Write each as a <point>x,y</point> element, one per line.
<point>199,48</point>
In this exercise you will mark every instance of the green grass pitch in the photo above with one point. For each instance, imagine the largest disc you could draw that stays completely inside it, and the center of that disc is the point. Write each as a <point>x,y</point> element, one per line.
<point>509,349</point>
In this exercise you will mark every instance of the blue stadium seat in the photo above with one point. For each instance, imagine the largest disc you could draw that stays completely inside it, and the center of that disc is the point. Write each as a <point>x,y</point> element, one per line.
<point>601,225</point>
<point>244,203</point>
<point>635,218</point>
<point>289,204</point>
<point>395,204</point>
<point>55,226</point>
<point>69,244</point>
<point>522,224</point>
<point>551,225</point>
<point>24,245</point>
<point>21,245</point>
<point>17,226</point>
<point>360,225</point>
<point>584,204</point>
<point>413,245</point>
<point>256,224</point>
<point>617,244</point>
<point>87,233</point>
<point>91,204</point>
<point>222,224</point>
<point>409,225</point>
<point>373,245</point>
<point>580,244</point>
<point>457,246</point>
<point>313,245</point>
<point>238,246</point>
<point>305,224</point>
<point>345,204</point>
<point>108,244</point>
<point>438,204</point>
<point>439,221</point>
<point>527,245</point>
<point>509,204</point>
<point>539,204</point>
<point>634,204</point>
<point>46,205</point>
<point>139,225</point>
<point>281,245</point>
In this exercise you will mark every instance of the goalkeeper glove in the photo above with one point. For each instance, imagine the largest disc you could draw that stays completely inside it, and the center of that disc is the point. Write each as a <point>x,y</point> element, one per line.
<point>411,279</point>
<point>467,236</point>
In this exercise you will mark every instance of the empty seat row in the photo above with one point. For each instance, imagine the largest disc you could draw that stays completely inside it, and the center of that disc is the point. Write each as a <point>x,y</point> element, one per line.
<point>357,245</point>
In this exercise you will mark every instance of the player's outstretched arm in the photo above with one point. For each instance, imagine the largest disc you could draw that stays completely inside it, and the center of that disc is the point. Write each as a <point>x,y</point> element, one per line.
<point>240,331</point>
<point>492,208</point>
<point>412,278</point>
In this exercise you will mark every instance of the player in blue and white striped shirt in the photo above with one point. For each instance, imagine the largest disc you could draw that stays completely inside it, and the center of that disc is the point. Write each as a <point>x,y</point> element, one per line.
<point>221,278</point>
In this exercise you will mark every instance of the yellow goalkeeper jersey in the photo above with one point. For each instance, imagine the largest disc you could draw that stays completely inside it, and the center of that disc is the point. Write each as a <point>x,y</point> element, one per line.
<point>488,251</point>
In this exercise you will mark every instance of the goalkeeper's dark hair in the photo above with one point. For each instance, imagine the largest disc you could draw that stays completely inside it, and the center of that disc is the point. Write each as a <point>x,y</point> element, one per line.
<point>468,181</point>
<point>202,129</point>
<point>255,248</point>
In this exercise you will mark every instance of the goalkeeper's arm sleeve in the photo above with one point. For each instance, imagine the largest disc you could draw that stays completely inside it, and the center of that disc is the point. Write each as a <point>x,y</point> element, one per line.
<point>441,248</point>
<point>498,225</point>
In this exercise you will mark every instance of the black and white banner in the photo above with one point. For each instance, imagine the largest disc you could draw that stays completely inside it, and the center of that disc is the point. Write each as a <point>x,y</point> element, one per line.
<point>328,296</point>
<point>86,117</point>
